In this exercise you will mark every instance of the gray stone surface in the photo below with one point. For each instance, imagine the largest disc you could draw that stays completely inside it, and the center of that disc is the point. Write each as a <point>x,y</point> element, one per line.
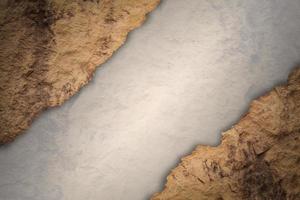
<point>182,78</point>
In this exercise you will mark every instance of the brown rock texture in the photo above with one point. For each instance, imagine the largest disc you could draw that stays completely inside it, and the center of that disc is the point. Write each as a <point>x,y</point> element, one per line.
<point>49,49</point>
<point>258,158</point>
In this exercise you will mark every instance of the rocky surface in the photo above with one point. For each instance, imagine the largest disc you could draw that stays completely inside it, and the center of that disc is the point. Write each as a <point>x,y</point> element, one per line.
<point>258,158</point>
<point>49,49</point>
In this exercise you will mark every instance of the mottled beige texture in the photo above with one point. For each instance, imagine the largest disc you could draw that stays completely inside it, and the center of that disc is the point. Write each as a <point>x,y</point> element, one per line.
<point>49,49</point>
<point>258,158</point>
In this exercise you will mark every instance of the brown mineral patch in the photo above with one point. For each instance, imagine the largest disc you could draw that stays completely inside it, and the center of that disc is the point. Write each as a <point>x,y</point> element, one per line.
<point>50,49</point>
<point>259,182</point>
<point>258,159</point>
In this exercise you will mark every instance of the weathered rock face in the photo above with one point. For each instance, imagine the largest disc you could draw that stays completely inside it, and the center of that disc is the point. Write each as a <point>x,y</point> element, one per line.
<point>258,158</point>
<point>49,49</point>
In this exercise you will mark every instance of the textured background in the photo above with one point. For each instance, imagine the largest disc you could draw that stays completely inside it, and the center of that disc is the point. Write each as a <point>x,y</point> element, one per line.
<point>182,78</point>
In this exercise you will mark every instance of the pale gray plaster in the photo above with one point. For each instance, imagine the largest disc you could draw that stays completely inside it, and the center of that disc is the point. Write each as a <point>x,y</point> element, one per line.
<point>182,78</point>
